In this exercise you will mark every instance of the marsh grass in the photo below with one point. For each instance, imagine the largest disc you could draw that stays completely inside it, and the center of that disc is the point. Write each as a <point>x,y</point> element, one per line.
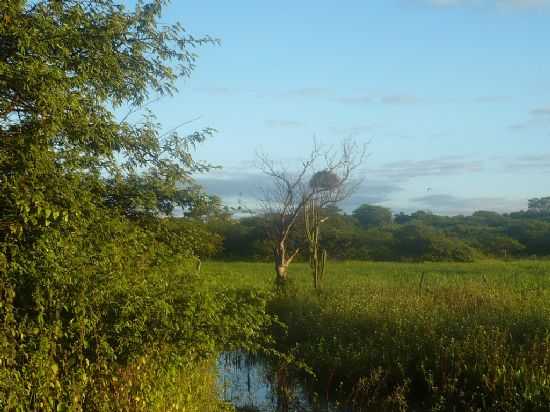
<point>431,336</point>
<point>160,383</point>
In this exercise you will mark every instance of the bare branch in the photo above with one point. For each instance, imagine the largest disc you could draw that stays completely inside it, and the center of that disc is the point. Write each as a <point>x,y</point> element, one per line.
<point>327,175</point>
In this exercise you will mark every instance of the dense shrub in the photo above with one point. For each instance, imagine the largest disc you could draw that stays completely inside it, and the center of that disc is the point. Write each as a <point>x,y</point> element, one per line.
<point>78,309</point>
<point>97,279</point>
<point>422,243</point>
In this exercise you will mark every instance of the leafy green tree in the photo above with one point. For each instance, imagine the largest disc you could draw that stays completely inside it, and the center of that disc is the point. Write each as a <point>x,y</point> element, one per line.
<point>372,216</point>
<point>539,205</point>
<point>418,242</point>
<point>488,218</point>
<point>64,66</point>
<point>93,277</point>
<point>499,245</point>
<point>534,234</point>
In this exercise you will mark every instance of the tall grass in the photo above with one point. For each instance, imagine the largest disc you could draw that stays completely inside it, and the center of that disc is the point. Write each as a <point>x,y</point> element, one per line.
<point>433,336</point>
<point>160,383</point>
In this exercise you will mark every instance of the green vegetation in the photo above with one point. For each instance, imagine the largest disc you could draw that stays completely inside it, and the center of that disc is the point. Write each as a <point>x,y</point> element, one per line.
<point>100,305</point>
<point>371,233</point>
<point>372,216</point>
<point>103,305</point>
<point>432,336</point>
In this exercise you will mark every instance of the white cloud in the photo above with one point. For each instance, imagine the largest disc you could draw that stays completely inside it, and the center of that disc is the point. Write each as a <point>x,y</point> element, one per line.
<point>516,4</point>
<point>539,117</point>
<point>356,130</point>
<point>310,92</point>
<point>446,3</point>
<point>218,91</point>
<point>525,3</point>
<point>400,99</point>
<point>492,99</point>
<point>454,205</point>
<point>542,111</point>
<point>353,99</point>
<point>443,166</point>
<point>538,162</point>
<point>284,124</point>
<point>247,187</point>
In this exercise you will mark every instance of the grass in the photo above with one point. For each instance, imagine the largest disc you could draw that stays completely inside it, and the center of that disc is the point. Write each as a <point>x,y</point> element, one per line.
<point>431,336</point>
<point>166,384</point>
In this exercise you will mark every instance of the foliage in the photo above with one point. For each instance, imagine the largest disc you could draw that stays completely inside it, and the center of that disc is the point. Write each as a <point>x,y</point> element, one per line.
<point>430,337</point>
<point>418,236</point>
<point>97,280</point>
<point>539,205</point>
<point>370,216</point>
<point>324,180</point>
<point>94,303</point>
<point>419,243</point>
<point>243,239</point>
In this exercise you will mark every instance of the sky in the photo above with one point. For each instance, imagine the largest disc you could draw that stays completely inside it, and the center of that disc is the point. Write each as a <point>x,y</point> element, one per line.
<point>451,96</point>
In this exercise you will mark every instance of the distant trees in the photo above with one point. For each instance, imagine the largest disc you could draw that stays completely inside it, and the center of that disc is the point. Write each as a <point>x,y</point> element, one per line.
<point>416,236</point>
<point>533,234</point>
<point>488,218</point>
<point>539,205</point>
<point>418,242</point>
<point>370,216</point>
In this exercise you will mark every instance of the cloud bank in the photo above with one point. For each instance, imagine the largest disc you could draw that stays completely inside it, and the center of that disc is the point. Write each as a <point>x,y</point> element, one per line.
<point>454,205</point>
<point>442,166</point>
<point>516,4</point>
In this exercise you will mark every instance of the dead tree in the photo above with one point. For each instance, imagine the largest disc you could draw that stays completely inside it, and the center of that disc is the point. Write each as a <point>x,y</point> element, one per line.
<point>317,258</point>
<point>286,199</point>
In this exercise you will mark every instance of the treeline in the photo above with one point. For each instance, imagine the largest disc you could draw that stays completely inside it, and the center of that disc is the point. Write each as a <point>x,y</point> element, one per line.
<point>373,233</point>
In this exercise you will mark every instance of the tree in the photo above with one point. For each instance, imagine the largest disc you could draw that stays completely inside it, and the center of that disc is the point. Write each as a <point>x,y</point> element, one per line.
<point>90,269</point>
<point>489,218</point>
<point>326,176</point>
<point>539,205</point>
<point>419,242</point>
<point>63,66</point>
<point>402,218</point>
<point>372,216</point>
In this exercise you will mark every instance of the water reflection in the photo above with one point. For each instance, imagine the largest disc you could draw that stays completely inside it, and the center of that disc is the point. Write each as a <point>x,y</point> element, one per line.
<point>253,385</point>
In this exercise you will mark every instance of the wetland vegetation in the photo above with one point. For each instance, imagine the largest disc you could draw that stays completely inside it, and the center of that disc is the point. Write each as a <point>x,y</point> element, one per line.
<point>431,336</point>
<point>125,286</point>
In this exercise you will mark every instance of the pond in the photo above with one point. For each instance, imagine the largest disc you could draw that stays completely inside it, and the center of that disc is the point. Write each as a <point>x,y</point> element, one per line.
<point>252,384</point>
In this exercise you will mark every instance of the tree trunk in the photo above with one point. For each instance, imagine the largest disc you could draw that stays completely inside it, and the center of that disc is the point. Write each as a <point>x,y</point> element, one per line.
<point>282,272</point>
<point>282,262</point>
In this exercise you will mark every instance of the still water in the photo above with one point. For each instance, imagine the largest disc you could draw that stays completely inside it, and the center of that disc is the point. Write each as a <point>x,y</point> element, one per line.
<point>253,385</point>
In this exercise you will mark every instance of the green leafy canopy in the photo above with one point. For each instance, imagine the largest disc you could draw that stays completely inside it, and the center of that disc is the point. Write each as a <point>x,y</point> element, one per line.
<point>65,67</point>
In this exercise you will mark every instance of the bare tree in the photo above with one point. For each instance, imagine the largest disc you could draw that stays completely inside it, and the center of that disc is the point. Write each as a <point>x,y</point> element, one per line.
<point>326,175</point>
<point>317,258</point>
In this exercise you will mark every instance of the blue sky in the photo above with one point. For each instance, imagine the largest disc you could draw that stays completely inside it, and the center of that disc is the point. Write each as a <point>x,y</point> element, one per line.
<point>453,96</point>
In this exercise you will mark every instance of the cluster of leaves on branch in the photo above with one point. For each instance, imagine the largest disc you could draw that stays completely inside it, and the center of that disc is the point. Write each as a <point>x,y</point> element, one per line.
<point>94,273</point>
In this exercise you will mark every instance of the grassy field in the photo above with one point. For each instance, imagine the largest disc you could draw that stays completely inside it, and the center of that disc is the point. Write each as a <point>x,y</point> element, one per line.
<point>431,336</point>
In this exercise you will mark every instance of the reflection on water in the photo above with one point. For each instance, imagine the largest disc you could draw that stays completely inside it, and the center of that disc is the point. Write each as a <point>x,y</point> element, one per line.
<point>252,385</point>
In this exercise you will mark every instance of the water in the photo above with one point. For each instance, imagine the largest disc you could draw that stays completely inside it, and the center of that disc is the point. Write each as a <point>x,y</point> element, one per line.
<point>253,385</point>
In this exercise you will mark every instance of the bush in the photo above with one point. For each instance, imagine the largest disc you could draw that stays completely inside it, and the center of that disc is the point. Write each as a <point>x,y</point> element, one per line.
<point>96,280</point>
<point>417,242</point>
<point>78,309</point>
